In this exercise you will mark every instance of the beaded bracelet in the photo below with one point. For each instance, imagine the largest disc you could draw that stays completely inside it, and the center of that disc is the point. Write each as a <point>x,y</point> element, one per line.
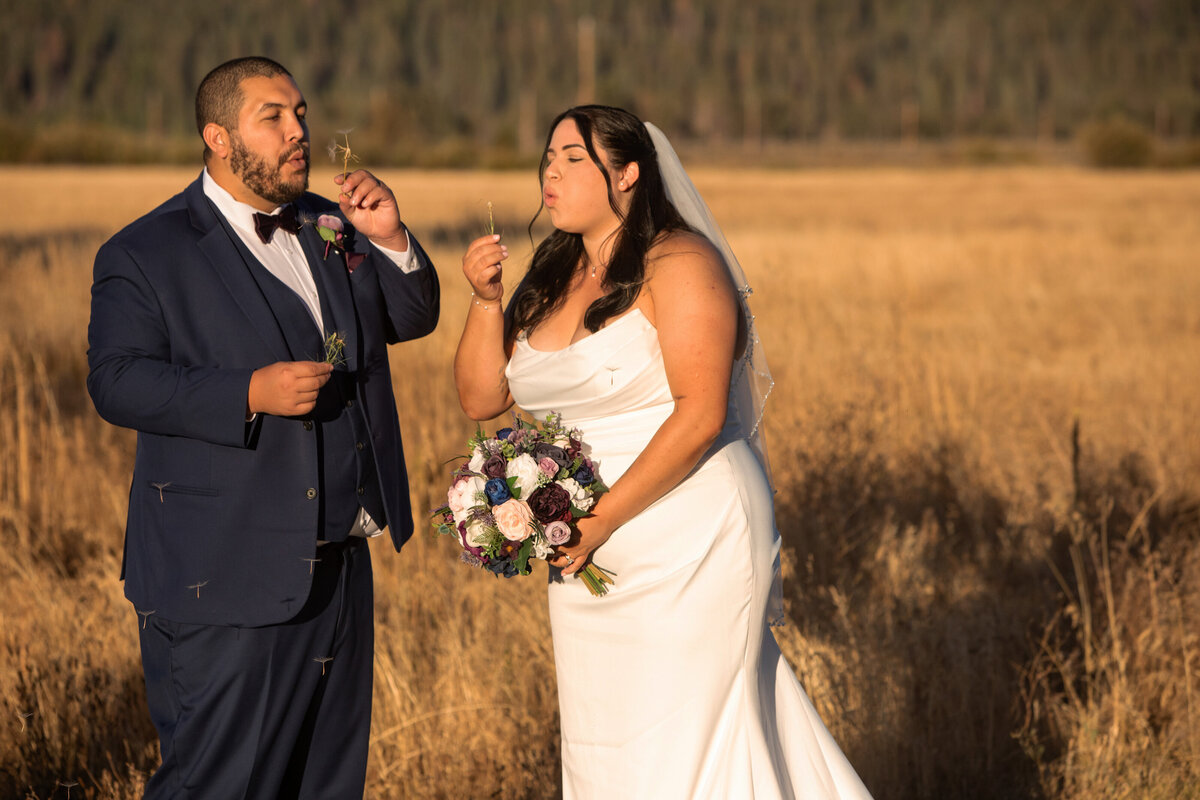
<point>484,306</point>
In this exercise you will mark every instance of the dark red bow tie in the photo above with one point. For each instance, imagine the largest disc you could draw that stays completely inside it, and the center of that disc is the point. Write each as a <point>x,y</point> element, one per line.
<point>265,224</point>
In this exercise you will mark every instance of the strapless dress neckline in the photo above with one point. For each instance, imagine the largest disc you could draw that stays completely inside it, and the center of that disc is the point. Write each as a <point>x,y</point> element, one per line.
<point>615,323</point>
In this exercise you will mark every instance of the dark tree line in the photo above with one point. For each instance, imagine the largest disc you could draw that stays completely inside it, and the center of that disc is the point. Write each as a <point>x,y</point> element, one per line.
<point>481,73</point>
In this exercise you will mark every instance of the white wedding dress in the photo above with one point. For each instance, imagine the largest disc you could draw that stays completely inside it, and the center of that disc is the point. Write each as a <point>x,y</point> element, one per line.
<point>672,685</point>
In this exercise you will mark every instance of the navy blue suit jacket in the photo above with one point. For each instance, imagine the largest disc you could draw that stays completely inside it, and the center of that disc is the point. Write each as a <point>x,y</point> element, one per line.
<point>221,512</point>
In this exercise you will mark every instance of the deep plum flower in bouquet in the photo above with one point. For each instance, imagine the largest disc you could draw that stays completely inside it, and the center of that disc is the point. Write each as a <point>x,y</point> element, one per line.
<point>517,497</point>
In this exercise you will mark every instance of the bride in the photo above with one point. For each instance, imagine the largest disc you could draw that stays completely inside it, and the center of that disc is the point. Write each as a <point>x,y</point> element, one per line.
<point>632,323</point>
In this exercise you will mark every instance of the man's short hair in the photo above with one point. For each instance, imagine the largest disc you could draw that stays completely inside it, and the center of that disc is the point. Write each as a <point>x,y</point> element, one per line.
<point>220,95</point>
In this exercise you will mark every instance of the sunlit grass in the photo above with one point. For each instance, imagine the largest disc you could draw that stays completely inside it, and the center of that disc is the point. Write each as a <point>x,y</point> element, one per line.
<point>983,604</point>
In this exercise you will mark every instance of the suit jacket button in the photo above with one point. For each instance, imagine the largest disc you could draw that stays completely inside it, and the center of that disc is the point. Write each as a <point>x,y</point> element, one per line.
<point>349,404</point>
<point>358,445</point>
<point>310,494</point>
<point>308,426</point>
<point>361,491</point>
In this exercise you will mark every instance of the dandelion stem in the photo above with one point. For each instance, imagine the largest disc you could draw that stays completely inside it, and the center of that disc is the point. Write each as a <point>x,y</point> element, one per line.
<point>345,152</point>
<point>335,349</point>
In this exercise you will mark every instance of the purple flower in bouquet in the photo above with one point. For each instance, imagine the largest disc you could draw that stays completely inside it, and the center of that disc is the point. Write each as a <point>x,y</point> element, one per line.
<point>496,466</point>
<point>574,447</point>
<point>548,466</point>
<point>550,503</point>
<point>551,451</point>
<point>496,490</point>
<point>558,532</point>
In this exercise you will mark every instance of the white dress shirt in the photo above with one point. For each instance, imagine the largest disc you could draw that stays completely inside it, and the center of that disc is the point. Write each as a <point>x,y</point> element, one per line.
<point>284,258</point>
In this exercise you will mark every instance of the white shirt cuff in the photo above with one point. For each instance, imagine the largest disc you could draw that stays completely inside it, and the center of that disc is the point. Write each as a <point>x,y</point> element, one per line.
<point>404,259</point>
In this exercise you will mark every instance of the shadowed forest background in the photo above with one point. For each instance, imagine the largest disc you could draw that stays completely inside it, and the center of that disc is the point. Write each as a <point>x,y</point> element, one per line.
<point>985,430</point>
<point>471,83</point>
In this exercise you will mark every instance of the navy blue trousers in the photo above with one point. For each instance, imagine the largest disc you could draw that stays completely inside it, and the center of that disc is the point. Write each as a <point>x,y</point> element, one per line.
<point>282,711</point>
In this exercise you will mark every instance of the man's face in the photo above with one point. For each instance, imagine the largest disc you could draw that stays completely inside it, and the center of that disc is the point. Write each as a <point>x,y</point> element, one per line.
<point>269,148</point>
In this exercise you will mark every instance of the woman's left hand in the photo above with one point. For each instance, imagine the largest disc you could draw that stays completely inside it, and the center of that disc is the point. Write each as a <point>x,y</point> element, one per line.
<point>575,554</point>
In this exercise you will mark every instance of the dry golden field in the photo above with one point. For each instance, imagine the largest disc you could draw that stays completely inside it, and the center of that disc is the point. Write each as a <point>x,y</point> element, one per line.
<point>986,441</point>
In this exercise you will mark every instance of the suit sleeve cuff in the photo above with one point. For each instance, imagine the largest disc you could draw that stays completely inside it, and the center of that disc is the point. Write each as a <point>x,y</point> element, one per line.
<point>404,259</point>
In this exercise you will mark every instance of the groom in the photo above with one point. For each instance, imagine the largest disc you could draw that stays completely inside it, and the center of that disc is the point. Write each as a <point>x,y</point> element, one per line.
<point>252,360</point>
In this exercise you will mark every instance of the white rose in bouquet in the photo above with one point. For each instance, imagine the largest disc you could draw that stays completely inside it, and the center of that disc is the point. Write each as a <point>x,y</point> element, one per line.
<point>477,534</point>
<point>527,472</point>
<point>463,496</point>
<point>580,497</point>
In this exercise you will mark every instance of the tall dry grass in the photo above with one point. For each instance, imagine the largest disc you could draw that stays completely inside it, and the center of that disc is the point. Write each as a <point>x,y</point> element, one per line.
<point>985,441</point>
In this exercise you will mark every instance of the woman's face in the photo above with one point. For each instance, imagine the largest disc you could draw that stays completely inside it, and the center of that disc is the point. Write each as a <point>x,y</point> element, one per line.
<point>573,188</point>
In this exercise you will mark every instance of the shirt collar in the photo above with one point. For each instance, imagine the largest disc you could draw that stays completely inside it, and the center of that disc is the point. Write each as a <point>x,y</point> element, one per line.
<point>239,214</point>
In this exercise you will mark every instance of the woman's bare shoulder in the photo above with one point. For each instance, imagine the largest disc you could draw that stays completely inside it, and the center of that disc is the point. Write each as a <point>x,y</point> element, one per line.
<point>673,245</point>
<point>683,256</point>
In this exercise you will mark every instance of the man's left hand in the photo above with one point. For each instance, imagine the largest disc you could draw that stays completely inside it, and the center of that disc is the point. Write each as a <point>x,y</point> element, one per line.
<point>371,208</point>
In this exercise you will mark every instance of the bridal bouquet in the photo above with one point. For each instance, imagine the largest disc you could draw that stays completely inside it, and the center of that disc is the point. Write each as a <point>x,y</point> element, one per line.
<point>517,496</point>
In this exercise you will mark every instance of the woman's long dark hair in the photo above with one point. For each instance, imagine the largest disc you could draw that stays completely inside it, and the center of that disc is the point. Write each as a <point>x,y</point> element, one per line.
<point>650,214</point>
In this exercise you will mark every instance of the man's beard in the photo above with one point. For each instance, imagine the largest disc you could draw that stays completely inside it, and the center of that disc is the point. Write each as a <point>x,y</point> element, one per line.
<point>261,177</point>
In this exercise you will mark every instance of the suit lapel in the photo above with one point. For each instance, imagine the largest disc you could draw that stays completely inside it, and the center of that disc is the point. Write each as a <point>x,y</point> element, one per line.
<point>228,262</point>
<point>333,286</point>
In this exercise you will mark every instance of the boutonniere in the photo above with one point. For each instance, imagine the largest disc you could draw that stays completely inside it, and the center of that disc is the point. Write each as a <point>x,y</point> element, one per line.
<point>332,231</point>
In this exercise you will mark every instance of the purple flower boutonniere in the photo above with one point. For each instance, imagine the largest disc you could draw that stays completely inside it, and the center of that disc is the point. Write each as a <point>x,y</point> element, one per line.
<point>332,231</point>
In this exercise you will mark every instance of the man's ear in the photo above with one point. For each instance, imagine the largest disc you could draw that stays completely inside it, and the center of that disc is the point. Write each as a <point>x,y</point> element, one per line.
<point>216,138</point>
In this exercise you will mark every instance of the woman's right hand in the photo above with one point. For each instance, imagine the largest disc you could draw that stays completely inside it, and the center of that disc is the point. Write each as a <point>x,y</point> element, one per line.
<point>482,265</point>
<point>481,357</point>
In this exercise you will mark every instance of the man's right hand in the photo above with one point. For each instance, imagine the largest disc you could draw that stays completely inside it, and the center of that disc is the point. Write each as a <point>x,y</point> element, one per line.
<point>286,388</point>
